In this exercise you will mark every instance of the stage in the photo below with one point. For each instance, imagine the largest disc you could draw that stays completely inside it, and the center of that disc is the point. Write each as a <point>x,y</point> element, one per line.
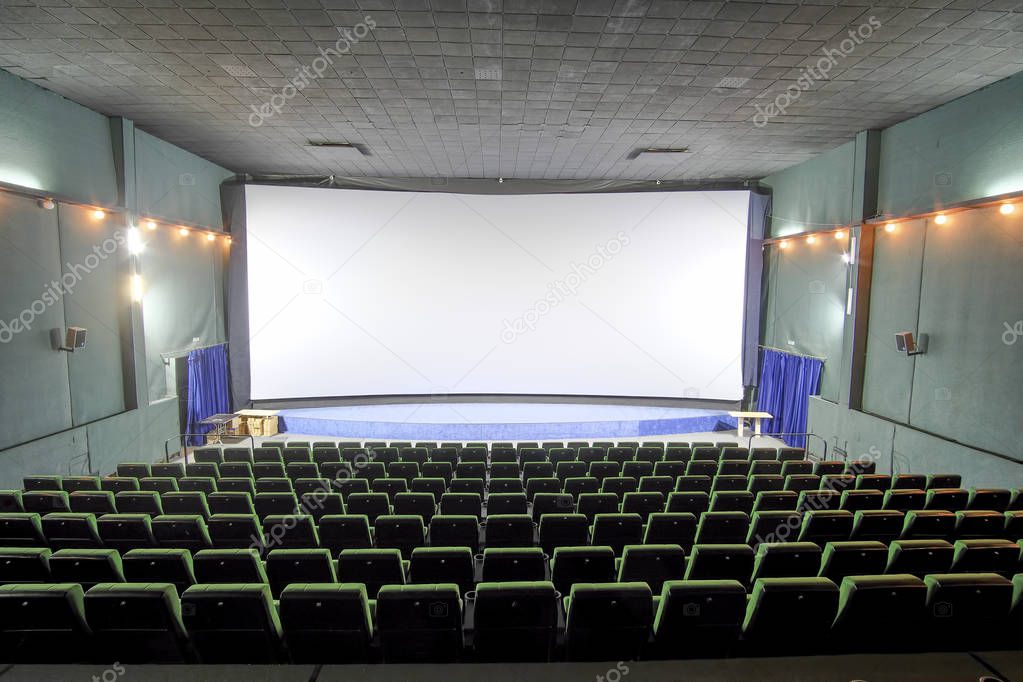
<point>501,421</point>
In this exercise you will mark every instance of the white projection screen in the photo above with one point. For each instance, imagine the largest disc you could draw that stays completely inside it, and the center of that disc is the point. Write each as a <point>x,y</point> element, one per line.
<point>361,292</point>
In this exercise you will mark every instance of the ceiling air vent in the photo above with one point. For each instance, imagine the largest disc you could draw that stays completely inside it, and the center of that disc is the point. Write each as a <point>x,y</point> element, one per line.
<point>660,154</point>
<point>338,150</point>
<point>488,74</point>
<point>732,82</point>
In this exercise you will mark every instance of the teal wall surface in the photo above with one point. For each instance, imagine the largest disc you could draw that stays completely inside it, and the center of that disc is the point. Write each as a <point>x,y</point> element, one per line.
<point>84,412</point>
<point>957,407</point>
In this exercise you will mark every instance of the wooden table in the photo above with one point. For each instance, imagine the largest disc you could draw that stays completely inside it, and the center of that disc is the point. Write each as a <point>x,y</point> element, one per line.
<point>755,416</point>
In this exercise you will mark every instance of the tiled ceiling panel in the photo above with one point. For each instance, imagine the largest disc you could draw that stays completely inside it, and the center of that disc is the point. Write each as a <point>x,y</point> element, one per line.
<point>540,89</point>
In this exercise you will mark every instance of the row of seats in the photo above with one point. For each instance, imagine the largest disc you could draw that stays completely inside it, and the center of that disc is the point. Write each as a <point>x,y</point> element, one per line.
<point>650,564</point>
<point>337,532</point>
<point>497,454</point>
<point>506,621</point>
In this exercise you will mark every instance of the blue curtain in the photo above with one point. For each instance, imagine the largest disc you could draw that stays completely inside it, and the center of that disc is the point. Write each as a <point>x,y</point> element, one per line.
<point>207,388</point>
<point>786,383</point>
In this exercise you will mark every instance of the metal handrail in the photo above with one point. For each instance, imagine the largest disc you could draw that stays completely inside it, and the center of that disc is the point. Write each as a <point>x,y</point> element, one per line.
<point>749,442</point>
<point>180,436</point>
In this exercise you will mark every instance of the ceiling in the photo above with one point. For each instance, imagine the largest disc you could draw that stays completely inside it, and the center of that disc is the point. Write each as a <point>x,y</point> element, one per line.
<point>539,89</point>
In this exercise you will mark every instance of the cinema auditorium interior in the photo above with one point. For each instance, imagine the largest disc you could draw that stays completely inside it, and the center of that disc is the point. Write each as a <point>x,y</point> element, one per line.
<point>547,340</point>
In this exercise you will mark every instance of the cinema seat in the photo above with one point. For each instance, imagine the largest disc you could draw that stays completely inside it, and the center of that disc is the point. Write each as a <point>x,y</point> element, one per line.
<point>944,481</point>
<point>889,607</point>
<point>652,564</point>
<point>86,567</point>
<point>371,567</point>
<point>786,560</point>
<point>978,524</point>
<point>776,500</point>
<point>856,500</point>
<point>774,526</point>
<point>125,532</point>
<point>230,503</point>
<point>339,532</point>
<point>693,502</point>
<point>414,504</point>
<point>96,502</point>
<point>947,499</point>
<point>190,503</point>
<point>617,530</point>
<point>904,500</point>
<point>608,622</point>
<point>515,621</point>
<point>45,501</point>
<point>967,611</point>
<point>117,484</point>
<point>877,524</point>
<point>420,623</point>
<point>237,485</point>
<point>592,504</point>
<point>24,565</point>
<point>403,533</point>
<point>571,565</point>
<point>136,470</point>
<point>928,525</point>
<point>288,566</point>
<point>818,500</point>
<point>919,557</point>
<point>137,623</point>
<point>235,531</point>
<point>461,504</point>
<point>826,526</point>
<point>173,470</point>
<point>44,623</point>
<point>173,566</point>
<point>71,531</point>
<point>228,566</point>
<point>842,559</point>
<point>370,505</point>
<point>233,623</point>
<point>274,484</point>
<point>199,484</point>
<point>697,618</point>
<point>433,565</point>
<point>181,531</point>
<point>722,527</point>
<point>720,562</point>
<point>759,483</point>
<point>779,607</point>
<point>347,487</point>
<point>503,564</point>
<point>70,484</point>
<point>986,556</point>
<point>455,530</point>
<point>909,482</point>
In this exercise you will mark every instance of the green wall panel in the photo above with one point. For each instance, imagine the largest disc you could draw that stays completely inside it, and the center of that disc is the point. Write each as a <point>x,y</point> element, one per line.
<point>814,194</point>
<point>967,149</point>
<point>134,436</point>
<point>917,452</point>
<point>96,259</point>
<point>182,306</point>
<point>34,398</point>
<point>177,185</point>
<point>805,312</point>
<point>894,302</point>
<point>52,144</point>
<point>967,386</point>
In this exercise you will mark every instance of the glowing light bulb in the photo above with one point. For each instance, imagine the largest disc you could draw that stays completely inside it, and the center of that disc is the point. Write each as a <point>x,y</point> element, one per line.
<point>940,219</point>
<point>810,239</point>
<point>840,234</point>
<point>1006,209</point>
<point>210,237</point>
<point>183,232</point>
<point>98,214</point>
<point>890,227</point>
<point>783,245</point>
<point>149,224</point>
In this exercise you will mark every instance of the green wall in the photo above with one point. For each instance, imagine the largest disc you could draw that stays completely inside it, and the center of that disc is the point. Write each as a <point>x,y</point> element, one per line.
<point>957,407</point>
<point>84,412</point>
